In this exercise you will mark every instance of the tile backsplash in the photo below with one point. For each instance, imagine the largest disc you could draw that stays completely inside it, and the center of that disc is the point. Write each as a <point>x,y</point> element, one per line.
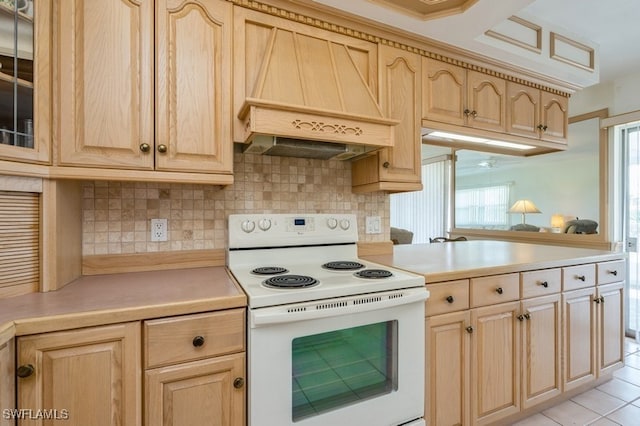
<point>116,215</point>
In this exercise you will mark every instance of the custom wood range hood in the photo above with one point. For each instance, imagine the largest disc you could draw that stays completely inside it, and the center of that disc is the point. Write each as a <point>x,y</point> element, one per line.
<point>310,99</point>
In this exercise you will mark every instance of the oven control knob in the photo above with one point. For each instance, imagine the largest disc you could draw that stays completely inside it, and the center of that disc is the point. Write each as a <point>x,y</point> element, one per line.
<point>248,226</point>
<point>332,223</point>
<point>264,224</point>
<point>345,224</point>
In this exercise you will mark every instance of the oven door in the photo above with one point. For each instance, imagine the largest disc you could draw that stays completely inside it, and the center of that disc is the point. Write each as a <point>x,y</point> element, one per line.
<point>347,361</point>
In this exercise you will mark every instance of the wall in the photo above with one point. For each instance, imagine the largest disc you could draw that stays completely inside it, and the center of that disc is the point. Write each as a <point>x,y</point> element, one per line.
<point>620,96</point>
<point>116,215</point>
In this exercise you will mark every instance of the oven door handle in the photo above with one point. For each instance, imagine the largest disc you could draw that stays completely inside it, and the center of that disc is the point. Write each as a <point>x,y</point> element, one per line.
<point>336,307</point>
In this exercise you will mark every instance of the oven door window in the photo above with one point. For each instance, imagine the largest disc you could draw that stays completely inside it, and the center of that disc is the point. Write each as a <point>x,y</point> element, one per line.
<point>339,368</point>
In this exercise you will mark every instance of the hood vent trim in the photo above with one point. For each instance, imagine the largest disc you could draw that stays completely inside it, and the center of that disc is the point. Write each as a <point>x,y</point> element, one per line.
<point>287,147</point>
<point>286,101</point>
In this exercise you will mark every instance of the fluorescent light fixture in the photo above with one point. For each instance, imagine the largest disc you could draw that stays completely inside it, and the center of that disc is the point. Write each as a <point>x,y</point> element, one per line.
<point>457,137</point>
<point>474,139</point>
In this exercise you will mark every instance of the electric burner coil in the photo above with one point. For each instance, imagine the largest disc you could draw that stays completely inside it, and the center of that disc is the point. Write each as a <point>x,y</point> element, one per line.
<point>290,281</point>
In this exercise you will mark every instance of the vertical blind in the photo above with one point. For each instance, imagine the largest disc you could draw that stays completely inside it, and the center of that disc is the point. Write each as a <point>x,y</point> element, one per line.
<point>483,207</point>
<point>426,212</point>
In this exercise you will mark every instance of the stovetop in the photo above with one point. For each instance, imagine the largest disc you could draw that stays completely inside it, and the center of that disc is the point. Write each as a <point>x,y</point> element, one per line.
<point>269,254</point>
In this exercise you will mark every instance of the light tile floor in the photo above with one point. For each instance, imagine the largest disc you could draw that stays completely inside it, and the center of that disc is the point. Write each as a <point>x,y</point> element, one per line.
<point>616,402</point>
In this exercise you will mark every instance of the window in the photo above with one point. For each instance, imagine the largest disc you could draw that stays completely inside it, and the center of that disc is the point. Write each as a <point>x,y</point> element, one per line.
<point>426,212</point>
<point>483,207</point>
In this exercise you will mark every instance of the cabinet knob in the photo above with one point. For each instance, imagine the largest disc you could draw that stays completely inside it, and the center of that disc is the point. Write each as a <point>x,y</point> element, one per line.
<point>581,278</point>
<point>25,371</point>
<point>467,112</point>
<point>238,382</point>
<point>527,316</point>
<point>520,317</point>
<point>499,290</point>
<point>544,284</point>
<point>162,148</point>
<point>198,341</point>
<point>596,300</point>
<point>602,299</point>
<point>474,113</point>
<point>614,273</point>
<point>386,164</point>
<point>542,127</point>
<point>145,147</point>
<point>469,329</point>
<point>450,299</point>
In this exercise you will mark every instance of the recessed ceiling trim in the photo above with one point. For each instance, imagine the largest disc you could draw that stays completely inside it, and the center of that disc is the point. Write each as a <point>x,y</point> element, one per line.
<point>427,9</point>
<point>520,33</point>
<point>571,52</point>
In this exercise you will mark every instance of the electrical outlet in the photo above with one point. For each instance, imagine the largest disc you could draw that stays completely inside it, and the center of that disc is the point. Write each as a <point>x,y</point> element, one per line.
<point>373,225</point>
<point>158,229</point>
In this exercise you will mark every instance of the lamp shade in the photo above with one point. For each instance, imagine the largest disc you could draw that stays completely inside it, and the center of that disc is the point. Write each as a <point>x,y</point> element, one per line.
<point>557,221</point>
<point>524,207</point>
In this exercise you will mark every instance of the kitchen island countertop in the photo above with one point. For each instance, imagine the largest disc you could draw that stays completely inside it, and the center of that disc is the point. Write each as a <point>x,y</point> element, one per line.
<point>466,259</point>
<point>107,299</point>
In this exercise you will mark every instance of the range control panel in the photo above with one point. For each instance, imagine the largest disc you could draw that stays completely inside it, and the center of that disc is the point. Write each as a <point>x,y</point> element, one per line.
<point>276,230</point>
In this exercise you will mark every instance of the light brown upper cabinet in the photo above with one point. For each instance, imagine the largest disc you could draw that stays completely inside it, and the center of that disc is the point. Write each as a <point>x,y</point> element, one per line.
<point>536,114</point>
<point>454,95</point>
<point>144,86</point>
<point>25,69</point>
<point>395,169</point>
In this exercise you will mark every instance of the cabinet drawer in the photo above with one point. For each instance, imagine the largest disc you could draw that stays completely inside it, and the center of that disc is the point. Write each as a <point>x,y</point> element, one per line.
<point>447,297</point>
<point>581,276</point>
<point>190,337</point>
<point>540,283</point>
<point>494,289</point>
<point>610,272</point>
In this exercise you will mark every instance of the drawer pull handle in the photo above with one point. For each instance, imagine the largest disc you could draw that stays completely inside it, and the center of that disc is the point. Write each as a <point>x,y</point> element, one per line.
<point>25,371</point>
<point>614,273</point>
<point>499,290</point>
<point>469,329</point>
<point>544,284</point>
<point>238,382</point>
<point>198,341</point>
<point>450,299</point>
<point>581,278</point>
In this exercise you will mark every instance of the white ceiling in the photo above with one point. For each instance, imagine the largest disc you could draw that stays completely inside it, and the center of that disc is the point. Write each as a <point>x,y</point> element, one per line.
<point>610,27</point>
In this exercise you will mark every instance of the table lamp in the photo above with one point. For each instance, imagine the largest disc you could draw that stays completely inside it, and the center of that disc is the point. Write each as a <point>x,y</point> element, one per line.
<point>524,207</point>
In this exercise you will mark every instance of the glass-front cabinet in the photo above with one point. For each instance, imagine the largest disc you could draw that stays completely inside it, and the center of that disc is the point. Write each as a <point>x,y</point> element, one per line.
<point>19,76</point>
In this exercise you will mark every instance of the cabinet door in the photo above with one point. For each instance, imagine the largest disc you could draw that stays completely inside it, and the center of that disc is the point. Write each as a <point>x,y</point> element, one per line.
<point>443,92</point>
<point>541,367</point>
<point>523,110</point>
<point>400,99</point>
<point>447,369</point>
<point>495,369</point>
<point>193,85</point>
<point>7,381</point>
<point>93,374</point>
<point>486,101</point>
<point>25,90</point>
<point>206,392</point>
<point>555,117</point>
<point>579,346</point>
<point>104,82</point>
<point>610,326</point>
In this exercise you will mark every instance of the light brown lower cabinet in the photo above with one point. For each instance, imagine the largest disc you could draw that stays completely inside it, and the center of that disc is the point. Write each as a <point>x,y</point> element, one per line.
<point>195,369</point>
<point>496,345</point>
<point>197,393</point>
<point>89,376</point>
<point>7,382</point>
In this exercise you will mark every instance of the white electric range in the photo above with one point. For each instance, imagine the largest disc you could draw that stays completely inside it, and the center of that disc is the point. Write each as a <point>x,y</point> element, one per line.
<point>332,339</point>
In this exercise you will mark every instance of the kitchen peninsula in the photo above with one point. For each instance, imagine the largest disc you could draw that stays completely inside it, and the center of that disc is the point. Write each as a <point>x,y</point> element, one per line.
<point>511,327</point>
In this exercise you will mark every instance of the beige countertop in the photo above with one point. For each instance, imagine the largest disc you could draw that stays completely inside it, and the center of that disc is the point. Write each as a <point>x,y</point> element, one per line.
<point>466,259</point>
<point>106,299</point>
